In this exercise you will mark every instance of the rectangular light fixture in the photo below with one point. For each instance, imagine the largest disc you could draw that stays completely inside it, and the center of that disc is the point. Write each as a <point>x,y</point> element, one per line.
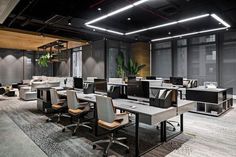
<point>188,34</point>
<point>105,30</point>
<point>220,20</point>
<point>116,12</point>
<point>168,24</point>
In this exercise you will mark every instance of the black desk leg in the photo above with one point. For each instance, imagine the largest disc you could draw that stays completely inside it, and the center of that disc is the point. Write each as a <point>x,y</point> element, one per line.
<point>163,131</point>
<point>96,120</point>
<point>181,122</point>
<point>136,134</point>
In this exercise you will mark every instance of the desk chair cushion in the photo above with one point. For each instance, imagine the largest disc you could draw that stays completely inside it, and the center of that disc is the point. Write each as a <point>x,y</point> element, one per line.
<point>75,112</point>
<point>58,106</point>
<point>120,120</point>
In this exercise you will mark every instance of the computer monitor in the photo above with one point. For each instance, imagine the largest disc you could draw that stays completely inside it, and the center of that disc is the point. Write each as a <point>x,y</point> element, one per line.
<point>78,83</point>
<point>151,77</point>
<point>100,85</point>
<point>138,90</point>
<point>176,80</point>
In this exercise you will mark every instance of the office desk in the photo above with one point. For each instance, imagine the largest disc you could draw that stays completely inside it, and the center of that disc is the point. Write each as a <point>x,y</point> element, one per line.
<point>144,114</point>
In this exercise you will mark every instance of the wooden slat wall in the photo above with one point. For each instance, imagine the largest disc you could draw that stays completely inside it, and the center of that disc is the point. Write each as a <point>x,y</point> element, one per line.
<point>29,42</point>
<point>140,52</point>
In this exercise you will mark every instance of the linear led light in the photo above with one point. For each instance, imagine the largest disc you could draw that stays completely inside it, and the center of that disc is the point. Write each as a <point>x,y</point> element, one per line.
<point>220,20</point>
<point>116,12</point>
<point>188,34</point>
<point>106,30</point>
<point>168,24</point>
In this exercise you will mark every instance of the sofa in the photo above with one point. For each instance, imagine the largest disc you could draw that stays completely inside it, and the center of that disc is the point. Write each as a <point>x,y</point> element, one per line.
<point>29,92</point>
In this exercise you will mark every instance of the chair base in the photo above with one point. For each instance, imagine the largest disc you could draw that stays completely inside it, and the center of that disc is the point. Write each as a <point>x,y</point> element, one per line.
<point>170,123</point>
<point>59,115</point>
<point>111,141</point>
<point>77,125</point>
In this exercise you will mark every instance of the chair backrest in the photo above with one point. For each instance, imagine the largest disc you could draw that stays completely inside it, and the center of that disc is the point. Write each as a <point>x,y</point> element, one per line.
<point>54,96</point>
<point>105,110</point>
<point>72,99</point>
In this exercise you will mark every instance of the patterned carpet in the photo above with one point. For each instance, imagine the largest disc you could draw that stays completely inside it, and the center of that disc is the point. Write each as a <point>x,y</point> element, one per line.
<point>50,138</point>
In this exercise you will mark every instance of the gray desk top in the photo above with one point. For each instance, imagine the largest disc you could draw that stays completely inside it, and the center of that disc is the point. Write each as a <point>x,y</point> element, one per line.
<point>208,89</point>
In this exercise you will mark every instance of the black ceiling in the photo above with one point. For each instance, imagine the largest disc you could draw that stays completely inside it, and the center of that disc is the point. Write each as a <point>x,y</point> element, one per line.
<point>52,16</point>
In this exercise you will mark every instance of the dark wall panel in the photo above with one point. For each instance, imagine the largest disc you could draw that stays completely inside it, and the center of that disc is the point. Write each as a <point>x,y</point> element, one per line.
<point>93,57</point>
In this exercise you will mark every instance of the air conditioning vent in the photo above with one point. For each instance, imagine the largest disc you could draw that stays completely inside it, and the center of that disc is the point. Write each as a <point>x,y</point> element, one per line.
<point>6,6</point>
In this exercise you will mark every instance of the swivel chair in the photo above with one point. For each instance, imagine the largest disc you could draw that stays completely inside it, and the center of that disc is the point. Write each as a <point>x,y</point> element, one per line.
<point>58,105</point>
<point>111,121</point>
<point>76,110</point>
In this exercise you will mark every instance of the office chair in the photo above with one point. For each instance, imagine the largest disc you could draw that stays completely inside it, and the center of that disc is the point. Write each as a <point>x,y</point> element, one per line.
<point>58,105</point>
<point>111,121</point>
<point>2,91</point>
<point>77,110</point>
<point>163,99</point>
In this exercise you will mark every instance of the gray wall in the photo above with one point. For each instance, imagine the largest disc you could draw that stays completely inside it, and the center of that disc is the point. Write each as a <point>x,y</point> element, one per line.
<point>15,65</point>
<point>62,69</point>
<point>93,57</point>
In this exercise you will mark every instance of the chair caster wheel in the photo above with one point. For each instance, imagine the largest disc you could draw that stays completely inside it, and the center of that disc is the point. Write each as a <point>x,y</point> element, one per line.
<point>104,155</point>
<point>178,124</point>
<point>94,146</point>
<point>91,130</point>
<point>73,134</point>
<point>157,127</point>
<point>127,151</point>
<point>48,120</point>
<point>174,129</point>
<point>125,141</point>
<point>63,130</point>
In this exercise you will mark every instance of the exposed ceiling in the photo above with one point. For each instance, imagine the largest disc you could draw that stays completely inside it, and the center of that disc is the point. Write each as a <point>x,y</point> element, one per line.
<point>54,16</point>
<point>30,42</point>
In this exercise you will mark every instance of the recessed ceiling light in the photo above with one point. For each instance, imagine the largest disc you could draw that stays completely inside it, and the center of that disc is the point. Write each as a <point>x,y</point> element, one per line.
<point>128,18</point>
<point>169,33</point>
<point>99,9</point>
<point>94,30</point>
<point>69,22</point>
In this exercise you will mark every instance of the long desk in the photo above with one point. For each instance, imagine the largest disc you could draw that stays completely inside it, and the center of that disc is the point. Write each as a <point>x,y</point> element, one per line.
<point>144,114</point>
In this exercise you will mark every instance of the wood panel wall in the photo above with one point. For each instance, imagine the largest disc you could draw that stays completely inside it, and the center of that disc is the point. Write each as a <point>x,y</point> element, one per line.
<point>140,52</point>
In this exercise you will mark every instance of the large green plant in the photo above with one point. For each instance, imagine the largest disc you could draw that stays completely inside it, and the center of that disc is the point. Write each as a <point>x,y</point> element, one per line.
<point>43,60</point>
<point>133,67</point>
<point>120,71</point>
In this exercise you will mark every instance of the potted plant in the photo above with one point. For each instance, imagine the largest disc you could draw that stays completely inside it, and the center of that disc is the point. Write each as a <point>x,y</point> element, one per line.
<point>120,65</point>
<point>133,68</point>
<point>44,59</point>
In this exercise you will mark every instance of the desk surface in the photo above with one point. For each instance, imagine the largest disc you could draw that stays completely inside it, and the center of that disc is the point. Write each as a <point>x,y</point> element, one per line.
<point>208,89</point>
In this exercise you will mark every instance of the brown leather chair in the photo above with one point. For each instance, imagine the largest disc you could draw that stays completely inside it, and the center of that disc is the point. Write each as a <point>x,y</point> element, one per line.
<point>111,121</point>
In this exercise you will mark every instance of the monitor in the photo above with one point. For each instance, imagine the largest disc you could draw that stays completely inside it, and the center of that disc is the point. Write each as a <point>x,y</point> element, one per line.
<point>151,77</point>
<point>176,80</point>
<point>78,83</point>
<point>100,85</point>
<point>138,90</point>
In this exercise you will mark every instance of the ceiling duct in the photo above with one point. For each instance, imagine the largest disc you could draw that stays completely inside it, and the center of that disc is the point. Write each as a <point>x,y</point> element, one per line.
<point>6,6</point>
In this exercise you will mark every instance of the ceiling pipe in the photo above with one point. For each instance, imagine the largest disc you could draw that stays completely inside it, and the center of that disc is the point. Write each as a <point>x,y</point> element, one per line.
<point>20,13</point>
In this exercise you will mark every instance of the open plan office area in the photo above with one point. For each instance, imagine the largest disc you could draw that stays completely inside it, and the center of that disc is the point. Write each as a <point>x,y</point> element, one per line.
<point>114,78</point>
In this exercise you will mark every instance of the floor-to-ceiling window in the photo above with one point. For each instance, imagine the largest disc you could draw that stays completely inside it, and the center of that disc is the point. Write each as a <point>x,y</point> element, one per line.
<point>202,58</point>
<point>228,61</point>
<point>162,59</point>
<point>77,62</point>
<point>180,59</point>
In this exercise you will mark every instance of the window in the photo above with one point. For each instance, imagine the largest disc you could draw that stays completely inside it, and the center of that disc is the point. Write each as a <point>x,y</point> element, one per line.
<point>202,59</point>
<point>228,61</point>
<point>162,60</point>
<point>180,59</point>
<point>77,62</point>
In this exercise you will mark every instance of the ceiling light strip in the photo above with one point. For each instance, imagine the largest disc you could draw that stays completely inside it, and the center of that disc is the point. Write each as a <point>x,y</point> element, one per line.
<point>220,20</point>
<point>188,34</point>
<point>105,30</point>
<point>116,11</point>
<point>168,24</point>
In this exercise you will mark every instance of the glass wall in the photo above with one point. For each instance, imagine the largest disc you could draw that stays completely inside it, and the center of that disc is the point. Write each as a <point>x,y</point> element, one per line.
<point>77,62</point>
<point>180,59</point>
<point>162,59</point>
